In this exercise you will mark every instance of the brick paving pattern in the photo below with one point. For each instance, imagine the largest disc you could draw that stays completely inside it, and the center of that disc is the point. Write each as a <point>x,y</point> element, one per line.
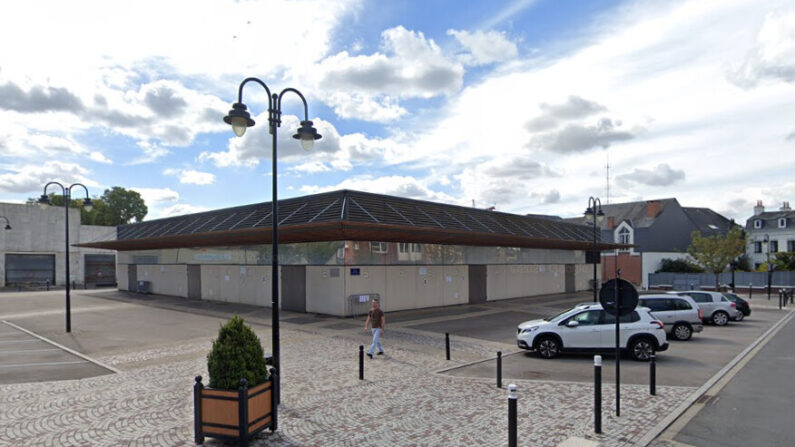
<point>402,401</point>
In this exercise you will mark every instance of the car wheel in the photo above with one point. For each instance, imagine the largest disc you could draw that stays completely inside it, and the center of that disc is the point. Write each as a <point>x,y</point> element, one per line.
<point>548,347</point>
<point>641,349</point>
<point>682,332</point>
<point>739,316</point>
<point>720,318</point>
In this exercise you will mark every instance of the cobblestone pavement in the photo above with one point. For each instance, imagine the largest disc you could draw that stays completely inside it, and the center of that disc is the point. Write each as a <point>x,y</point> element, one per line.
<point>401,402</point>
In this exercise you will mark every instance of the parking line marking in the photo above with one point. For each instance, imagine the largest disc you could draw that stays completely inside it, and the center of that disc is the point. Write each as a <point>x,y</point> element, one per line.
<point>17,341</point>
<point>57,345</point>
<point>29,350</point>
<point>22,365</point>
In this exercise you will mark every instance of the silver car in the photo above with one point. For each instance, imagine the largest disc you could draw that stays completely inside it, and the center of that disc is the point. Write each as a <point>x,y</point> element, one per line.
<point>680,314</point>
<point>715,307</point>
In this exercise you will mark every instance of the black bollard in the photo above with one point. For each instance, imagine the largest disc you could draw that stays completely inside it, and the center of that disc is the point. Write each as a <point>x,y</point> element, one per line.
<point>779,299</point>
<point>361,362</point>
<point>653,375</point>
<point>499,369</point>
<point>512,415</point>
<point>597,393</point>
<point>790,297</point>
<point>447,344</point>
<point>750,290</point>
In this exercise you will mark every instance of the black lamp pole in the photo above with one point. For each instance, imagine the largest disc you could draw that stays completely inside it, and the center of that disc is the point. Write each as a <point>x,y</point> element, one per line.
<point>769,270</point>
<point>240,119</point>
<point>594,211</point>
<point>44,200</point>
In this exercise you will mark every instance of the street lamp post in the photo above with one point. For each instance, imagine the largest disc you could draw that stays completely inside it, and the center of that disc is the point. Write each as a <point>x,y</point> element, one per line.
<point>44,201</point>
<point>594,211</point>
<point>240,119</point>
<point>769,269</point>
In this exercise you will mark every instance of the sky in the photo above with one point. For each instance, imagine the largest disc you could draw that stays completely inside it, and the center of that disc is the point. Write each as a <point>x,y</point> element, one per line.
<point>520,104</point>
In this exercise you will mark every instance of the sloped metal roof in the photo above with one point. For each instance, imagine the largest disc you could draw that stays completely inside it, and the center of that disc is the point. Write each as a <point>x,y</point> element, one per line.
<point>353,215</point>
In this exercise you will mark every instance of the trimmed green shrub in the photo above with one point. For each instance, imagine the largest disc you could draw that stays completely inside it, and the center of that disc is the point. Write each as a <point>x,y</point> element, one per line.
<point>236,354</point>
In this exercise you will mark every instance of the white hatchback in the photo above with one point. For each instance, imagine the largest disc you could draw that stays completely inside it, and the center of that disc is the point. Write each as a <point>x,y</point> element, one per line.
<point>588,327</point>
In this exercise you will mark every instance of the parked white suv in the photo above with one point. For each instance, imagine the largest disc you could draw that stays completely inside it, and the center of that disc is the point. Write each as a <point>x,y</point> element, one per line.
<point>680,314</point>
<point>715,307</point>
<point>588,327</point>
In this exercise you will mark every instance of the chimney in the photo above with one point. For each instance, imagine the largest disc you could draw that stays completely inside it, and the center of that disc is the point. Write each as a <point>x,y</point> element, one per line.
<point>785,207</point>
<point>611,222</point>
<point>653,208</point>
<point>759,208</point>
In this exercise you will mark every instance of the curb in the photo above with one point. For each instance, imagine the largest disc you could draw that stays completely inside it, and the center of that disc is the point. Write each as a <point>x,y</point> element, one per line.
<point>684,406</point>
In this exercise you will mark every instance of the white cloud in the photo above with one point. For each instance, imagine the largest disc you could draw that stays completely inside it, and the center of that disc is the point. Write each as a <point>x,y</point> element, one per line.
<point>312,167</point>
<point>484,47</point>
<point>32,178</point>
<point>156,196</point>
<point>661,175</point>
<point>773,56</point>
<point>179,209</point>
<point>191,177</point>
<point>395,185</point>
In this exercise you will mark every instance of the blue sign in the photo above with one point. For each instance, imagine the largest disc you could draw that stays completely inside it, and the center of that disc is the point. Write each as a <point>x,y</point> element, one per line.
<point>355,272</point>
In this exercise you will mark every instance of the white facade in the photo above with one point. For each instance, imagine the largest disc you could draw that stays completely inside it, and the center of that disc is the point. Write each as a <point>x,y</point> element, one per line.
<point>769,232</point>
<point>42,231</point>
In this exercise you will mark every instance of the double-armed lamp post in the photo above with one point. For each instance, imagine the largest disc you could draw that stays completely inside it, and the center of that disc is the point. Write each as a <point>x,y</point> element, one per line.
<point>44,201</point>
<point>8,224</point>
<point>594,211</point>
<point>240,120</point>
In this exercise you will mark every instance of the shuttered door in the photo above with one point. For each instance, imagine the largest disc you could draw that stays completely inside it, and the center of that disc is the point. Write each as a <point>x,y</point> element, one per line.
<point>100,270</point>
<point>30,269</point>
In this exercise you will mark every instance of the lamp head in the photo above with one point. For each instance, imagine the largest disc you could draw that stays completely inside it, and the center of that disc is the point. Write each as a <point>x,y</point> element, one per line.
<point>44,201</point>
<point>8,227</point>
<point>588,212</point>
<point>307,134</point>
<point>600,216</point>
<point>239,119</point>
<point>87,205</point>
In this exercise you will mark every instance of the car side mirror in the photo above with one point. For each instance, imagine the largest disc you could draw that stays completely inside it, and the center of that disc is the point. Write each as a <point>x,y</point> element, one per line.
<point>572,324</point>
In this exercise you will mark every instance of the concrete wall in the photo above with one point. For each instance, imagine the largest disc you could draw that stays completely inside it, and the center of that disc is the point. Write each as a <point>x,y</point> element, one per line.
<point>325,290</point>
<point>42,231</point>
<point>166,279</point>
<point>512,281</point>
<point>249,284</point>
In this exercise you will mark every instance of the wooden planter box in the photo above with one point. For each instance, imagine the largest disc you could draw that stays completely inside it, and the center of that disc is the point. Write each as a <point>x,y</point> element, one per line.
<point>218,413</point>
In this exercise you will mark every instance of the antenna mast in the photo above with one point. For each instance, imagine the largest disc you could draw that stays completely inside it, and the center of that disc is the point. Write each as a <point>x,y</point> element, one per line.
<point>607,170</point>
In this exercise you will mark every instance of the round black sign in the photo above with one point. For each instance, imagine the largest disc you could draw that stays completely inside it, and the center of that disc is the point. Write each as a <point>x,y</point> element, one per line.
<point>627,296</point>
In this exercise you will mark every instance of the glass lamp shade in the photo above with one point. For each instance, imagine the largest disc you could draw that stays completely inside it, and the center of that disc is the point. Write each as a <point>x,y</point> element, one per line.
<point>588,212</point>
<point>87,205</point>
<point>600,216</point>
<point>44,201</point>
<point>8,227</point>
<point>307,134</point>
<point>239,119</point>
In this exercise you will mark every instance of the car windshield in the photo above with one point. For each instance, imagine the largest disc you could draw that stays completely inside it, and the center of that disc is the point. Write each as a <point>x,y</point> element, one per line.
<point>559,316</point>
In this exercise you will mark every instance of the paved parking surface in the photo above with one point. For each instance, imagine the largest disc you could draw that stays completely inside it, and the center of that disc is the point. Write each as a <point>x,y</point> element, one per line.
<point>25,358</point>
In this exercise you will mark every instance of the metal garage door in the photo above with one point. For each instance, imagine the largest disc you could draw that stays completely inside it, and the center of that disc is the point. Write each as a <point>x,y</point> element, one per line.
<point>100,270</point>
<point>28,269</point>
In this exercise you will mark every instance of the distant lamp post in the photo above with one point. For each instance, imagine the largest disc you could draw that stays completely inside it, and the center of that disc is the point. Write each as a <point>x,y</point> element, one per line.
<point>769,267</point>
<point>8,224</point>
<point>44,201</point>
<point>594,211</point>
<point>733,266</point>
<point>240,120</point>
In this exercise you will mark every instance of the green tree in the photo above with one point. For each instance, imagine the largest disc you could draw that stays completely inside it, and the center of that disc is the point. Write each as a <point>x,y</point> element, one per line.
<point>713,253</point>
<point>116,206</point>
<point>785,261</point>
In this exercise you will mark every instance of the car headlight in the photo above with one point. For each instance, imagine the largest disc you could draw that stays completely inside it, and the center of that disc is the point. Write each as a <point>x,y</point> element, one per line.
<point>528,329</point>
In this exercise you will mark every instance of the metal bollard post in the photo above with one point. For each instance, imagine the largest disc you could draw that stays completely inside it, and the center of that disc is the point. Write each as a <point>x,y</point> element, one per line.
<point>512,415</point>
<point>653,375</point>
<point>499,369</point>
<point>597,393</point>
<point>447,344</point>
<point>779,299</point>
<point>361,362</point>
<point>790,297</point>
<point>750,290</point>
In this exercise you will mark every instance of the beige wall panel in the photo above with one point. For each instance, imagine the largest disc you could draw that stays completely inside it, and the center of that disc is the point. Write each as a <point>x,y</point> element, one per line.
<point>254,284</point>
<point>166,279</point>
<point>122,279</point>
<point>401,288</point>
<point>583,274</point>
<point>456,284</point>
<point>229,284</point>
<point>325,294</point>
<point>210,282</point>
<point>430,287</point>
<point>495,282</point>
<point>372,279</point>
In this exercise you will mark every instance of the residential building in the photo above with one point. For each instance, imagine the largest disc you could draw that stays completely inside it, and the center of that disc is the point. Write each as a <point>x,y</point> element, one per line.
<point>769,232</point>
<point>656,230</point>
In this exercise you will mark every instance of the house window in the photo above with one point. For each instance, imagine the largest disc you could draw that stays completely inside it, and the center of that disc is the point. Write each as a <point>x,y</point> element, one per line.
<point>782,222</point>
<point>623,236</point>
<point>405,247</point>
<point>378,247</point>
<point>790,245</point>
<point>757,247</point>
<point>758,224</point>
<point>773,246</point>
